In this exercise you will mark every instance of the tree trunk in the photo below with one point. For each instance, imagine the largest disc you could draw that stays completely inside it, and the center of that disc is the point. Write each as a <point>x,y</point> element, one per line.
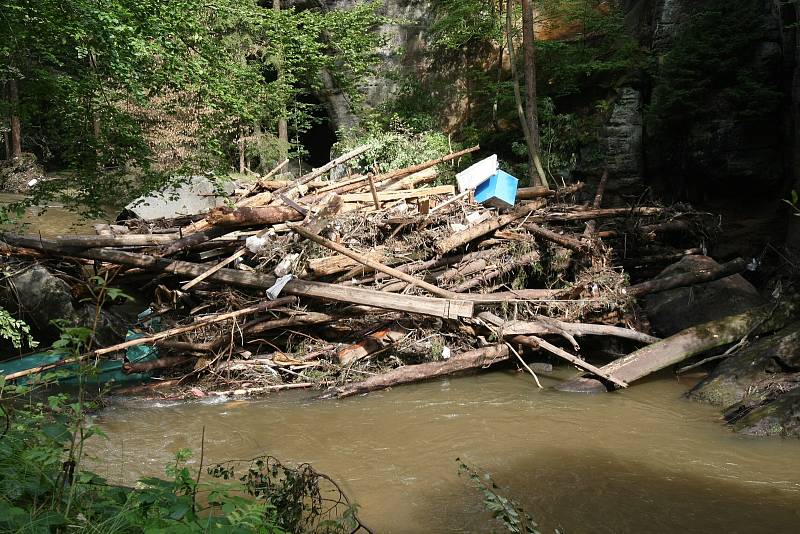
<point>283,127</point>
<point>536,172</point>
<point>16,129</point>
<point>466,361</point>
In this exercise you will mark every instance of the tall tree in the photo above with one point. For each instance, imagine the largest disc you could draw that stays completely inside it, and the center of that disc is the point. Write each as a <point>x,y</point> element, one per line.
<point>15,133</point>
<point>535,170</point>
<point>283,127</point>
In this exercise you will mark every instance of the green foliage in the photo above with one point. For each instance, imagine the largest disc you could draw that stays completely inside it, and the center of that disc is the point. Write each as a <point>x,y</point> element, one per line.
<point>43,487</point>
<point>461,23</point>
<point>394,145</point>
<point>107,88</point>
<point>15,330</point>
<point>584,53</point>
<point>706,72</point>
<point>505,509</point>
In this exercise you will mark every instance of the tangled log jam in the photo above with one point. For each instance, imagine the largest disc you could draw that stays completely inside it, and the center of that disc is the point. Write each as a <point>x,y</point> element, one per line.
<point>371,281</point>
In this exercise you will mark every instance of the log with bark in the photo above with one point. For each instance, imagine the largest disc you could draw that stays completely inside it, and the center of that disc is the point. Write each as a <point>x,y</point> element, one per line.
<point>687,343</point>
<point>474,359</point>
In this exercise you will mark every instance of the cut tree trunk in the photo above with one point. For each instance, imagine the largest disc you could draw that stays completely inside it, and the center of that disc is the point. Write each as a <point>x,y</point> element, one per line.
<point>473,359</point>
<point>252,216</point>
<point>690,342</point>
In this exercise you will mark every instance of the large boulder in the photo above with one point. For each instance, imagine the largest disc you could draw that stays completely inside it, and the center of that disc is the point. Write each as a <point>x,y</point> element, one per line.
<point>671,311</point>
<point>754,371</point>
<point>37,297</point>
<point>779,417</point>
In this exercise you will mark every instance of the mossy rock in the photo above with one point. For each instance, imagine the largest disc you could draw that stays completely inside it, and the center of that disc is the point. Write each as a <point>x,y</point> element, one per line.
<point>780,417</point>
<point>769,359</point>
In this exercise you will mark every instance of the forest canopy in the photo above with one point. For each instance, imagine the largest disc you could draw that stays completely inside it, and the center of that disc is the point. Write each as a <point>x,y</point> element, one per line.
<point>122,95</point>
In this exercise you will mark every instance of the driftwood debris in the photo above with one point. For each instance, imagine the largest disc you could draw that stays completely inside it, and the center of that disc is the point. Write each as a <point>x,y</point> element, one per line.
<point>357,275</point>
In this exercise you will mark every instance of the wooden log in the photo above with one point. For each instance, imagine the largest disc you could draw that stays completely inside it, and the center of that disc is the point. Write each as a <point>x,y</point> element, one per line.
<point>687,343</point>
<point>473,359</point>
<point>657,285</point>
<point>585,215</point>
<point>564,240</point>
<point>252,216</point>
<point>399,173</point>
<point>536,192</point>
<point>193,240</point>
<point>299,319</point>
<point>536,342</point>
<point>479,230</point>
<point>591,226</point>
<point>161,363</point>
<point>127,240</point>
<point>386,196</point>
<point>364,260</point>
<point>261,389</point>
<point>547,325</point>
<point>650,231</point>
<point>444,308</point>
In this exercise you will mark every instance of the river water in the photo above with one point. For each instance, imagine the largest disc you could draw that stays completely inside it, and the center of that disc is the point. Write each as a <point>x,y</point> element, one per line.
<point>642,460</point>
<point>637,461</point>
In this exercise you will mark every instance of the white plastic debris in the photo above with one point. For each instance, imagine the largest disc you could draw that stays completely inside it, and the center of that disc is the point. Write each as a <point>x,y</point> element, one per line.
<point>476,174</point>
<point>446,353</point>
<point>477,217</point>
<point>285,266</point>
<point>753,264</point>
<point>275,291</point>
<point>256,244</point>
<point>33,182</point>
<point>458,227</point>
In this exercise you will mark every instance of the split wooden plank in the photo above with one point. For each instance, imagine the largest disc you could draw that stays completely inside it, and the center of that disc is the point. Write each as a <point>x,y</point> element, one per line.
<point>387,196</point>
<point>336,264</point>
<point>372,263</point>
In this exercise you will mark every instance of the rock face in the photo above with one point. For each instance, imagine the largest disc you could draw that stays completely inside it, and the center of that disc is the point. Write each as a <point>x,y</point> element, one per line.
<point>623,140</point>
<point>781,417</point>
<point>402,54</point>
<point>671,311</point>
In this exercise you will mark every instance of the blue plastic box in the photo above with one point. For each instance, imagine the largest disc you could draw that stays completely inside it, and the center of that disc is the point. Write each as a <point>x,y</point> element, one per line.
<point>499,191</point>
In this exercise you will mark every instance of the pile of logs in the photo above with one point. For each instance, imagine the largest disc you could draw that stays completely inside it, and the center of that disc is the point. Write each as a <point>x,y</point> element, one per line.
<point>374,280</point>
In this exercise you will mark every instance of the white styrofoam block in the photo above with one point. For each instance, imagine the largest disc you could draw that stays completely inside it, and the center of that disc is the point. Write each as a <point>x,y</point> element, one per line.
<point>476,174</point>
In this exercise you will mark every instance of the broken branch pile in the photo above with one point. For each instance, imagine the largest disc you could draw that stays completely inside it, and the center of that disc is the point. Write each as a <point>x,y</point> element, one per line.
<point>373,280</point>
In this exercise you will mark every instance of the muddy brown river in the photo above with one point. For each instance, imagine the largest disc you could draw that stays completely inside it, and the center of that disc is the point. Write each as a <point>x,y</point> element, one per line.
<point>642,460</point>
